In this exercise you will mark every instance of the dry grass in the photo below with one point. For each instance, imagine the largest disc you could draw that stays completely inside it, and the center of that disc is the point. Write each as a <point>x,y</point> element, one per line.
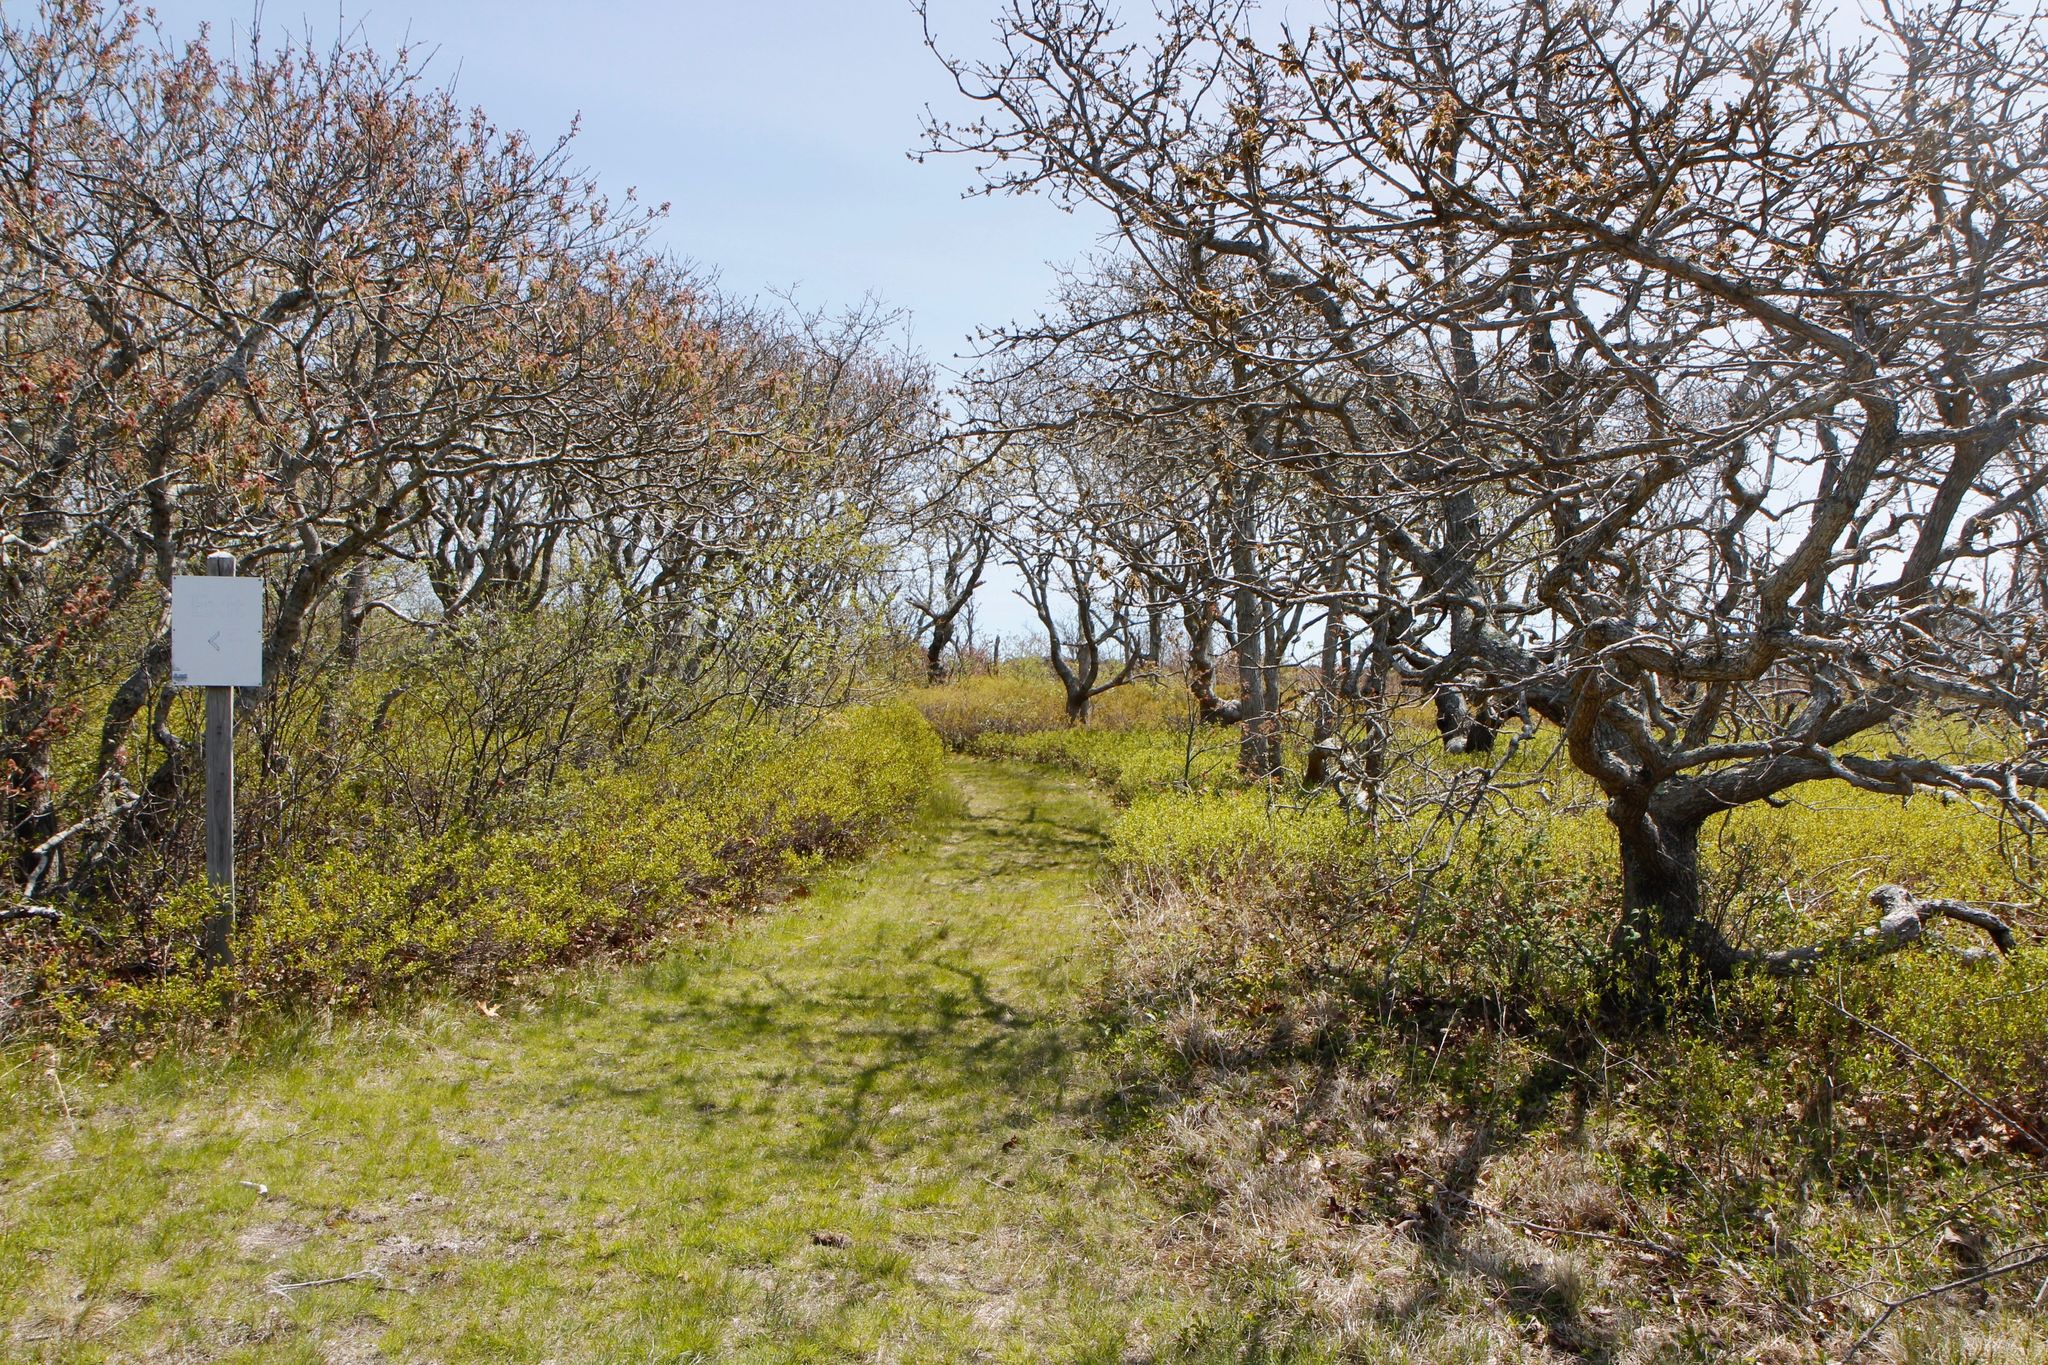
<point>1452,1194</point>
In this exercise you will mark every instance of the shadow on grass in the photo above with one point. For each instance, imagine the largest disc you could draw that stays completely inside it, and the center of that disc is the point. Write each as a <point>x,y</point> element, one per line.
<point>876,1032</point>
<point>925,1030</point>
<point>1443,1228</point>
<point>1158,1080</point>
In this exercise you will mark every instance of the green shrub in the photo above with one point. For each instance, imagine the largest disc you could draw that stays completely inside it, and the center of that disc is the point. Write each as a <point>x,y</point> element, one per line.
<point>1223,838</point>
<point>1129,762</point>
<point>1971,1038</point>
<point>1512,913</point>
<point>1249,899</point>
<point>692,831</point>
<point>1023,698</point>
<point>1013,702</point>
<point>1269,900</point>
<point>1276,954</point>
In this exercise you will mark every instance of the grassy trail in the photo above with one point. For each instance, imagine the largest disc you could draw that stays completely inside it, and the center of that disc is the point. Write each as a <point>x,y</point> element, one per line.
<point>860,1127</point>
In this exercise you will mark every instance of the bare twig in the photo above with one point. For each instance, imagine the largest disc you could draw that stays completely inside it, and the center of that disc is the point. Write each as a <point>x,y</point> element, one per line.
<point>1661,1249</point>
<point>288,1286</point>
<point>2028,1256</point>
<point>1941,1071</point>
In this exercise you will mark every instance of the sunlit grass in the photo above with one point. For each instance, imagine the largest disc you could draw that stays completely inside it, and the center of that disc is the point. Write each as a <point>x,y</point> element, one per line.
<point>864,1125</point>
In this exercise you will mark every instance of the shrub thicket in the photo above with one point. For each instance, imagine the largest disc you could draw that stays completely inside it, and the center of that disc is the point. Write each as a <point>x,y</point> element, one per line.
<point>1370,1001</point>
<point>461,812</point>
<point>528,500</point>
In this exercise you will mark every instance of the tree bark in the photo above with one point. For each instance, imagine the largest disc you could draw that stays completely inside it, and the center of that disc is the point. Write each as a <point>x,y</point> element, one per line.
<point>25,807</point>
<point>1664,946</point>
<point>1662,929</point>
<point>1463,730</point>
<point>1078,676</point>
<point>355,608</point>
<point>935,652</point>
<point>1316,772</point>
<point>1212,709</point>
<point>1255,754</point>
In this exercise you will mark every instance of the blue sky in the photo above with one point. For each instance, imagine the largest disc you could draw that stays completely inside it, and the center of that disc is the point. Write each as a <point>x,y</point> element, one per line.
<point>778,131</point>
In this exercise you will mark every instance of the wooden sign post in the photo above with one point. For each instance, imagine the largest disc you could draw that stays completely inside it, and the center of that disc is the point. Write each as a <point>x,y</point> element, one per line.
<point>217,643</point>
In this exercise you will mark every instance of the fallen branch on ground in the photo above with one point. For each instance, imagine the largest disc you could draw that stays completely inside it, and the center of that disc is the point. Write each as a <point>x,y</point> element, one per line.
<point>50,914</point>
<point>1663,1250</point>
<point>2027,1256</point>
<point>288,1286</point>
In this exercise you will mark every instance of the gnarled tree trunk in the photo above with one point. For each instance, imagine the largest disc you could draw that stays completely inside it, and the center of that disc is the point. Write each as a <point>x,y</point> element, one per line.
<point>1663,936</point>
<point>1201,625</point>
<point>1464,731</point>
<point>1664,945</point>
<point>935,651</point>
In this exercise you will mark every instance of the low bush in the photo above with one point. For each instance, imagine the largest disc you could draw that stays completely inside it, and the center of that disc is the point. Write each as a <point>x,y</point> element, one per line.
<point>1140,737</point>
<point>1015,700</point>
<point>1345,1035</point>
<point>1343,1032</point>
<point>1129,762</point>
<point>692,831</point>
<point>1022,698</point>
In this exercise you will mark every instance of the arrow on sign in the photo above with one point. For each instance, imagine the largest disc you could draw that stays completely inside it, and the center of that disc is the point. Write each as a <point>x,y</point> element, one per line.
<point>214,640</point>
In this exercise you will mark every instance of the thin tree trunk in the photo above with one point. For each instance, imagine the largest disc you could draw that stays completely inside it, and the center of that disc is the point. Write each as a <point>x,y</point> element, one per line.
<point>1276,753</point>
<point>1212,709</point>
<point>935,652</point>
<point>1255,707</point>
<point>25,805</point>
<point>1316,772</point>
<point>1251,683</point>
<point>355,606</point>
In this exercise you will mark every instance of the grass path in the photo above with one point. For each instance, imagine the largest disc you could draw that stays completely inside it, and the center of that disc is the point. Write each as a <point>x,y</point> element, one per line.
<point>859,1128</point>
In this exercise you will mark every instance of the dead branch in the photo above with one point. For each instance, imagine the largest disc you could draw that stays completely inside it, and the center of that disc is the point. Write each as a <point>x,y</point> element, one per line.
<point>281,1289</point>
<point>1664,1250</point>
<point>1903,919</point>
<point>1941,1071</point>
<point>50,914</point>
<point>2029,1256</point>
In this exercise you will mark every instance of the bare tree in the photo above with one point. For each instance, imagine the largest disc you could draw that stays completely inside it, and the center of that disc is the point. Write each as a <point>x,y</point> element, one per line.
<point>1680,367</point>
<point>951,570</point>
<point>297,304</point>
<point>1087,600</point>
